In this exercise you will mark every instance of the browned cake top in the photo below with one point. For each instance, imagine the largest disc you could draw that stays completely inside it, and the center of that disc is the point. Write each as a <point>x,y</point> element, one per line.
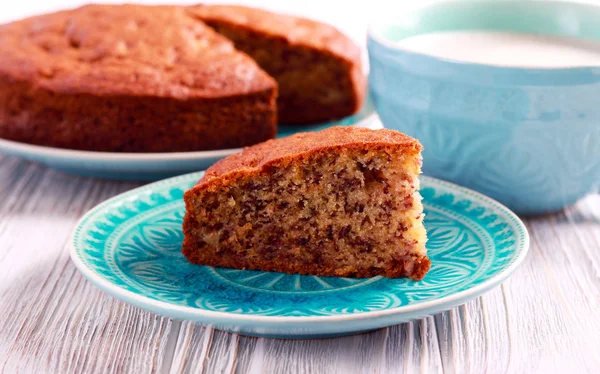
<point>253,159</point>
<point>127,49</point>
<point>295,30</point>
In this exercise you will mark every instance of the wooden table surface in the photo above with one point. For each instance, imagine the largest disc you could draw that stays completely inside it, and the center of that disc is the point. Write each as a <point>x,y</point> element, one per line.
<point>545,318</point>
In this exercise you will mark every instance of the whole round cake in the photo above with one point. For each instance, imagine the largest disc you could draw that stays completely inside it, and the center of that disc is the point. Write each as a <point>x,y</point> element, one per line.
<point>134,78</point>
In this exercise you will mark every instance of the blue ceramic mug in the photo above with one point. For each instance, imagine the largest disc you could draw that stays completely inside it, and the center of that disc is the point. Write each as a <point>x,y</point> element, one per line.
<point>528,137</point>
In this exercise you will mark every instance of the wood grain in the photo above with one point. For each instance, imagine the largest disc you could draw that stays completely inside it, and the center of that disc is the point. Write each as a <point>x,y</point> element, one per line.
<point>543,319</point>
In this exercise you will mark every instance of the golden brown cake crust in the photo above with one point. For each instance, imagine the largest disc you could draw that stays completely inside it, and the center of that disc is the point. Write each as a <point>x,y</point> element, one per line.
<point>318,68</point>
<point>114,77</point>
<point>277,151</point>
<point>314,182</point>
<point>157,51</point>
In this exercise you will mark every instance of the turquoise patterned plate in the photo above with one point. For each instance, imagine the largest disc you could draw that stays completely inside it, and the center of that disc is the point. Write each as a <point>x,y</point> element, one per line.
<point>129,246</point>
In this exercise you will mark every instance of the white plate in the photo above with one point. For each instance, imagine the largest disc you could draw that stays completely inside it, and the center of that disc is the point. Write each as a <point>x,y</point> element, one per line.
<point>130,247</point>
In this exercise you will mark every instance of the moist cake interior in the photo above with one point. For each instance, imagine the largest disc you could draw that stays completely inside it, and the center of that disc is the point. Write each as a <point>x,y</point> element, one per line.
<point>356,212</point>
<point>314,86</point>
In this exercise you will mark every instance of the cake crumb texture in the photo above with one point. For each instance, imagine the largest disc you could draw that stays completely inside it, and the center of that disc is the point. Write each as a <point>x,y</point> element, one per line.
<point>318,68</point>
<point>340,202</point>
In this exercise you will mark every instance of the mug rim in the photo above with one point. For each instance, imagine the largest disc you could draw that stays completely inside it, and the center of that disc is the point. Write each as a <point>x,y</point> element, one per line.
<point>384,47</point>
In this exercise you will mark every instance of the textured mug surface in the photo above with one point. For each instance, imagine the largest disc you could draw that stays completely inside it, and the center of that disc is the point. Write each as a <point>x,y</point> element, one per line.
<point>527,137</point>
<point>130,246</point>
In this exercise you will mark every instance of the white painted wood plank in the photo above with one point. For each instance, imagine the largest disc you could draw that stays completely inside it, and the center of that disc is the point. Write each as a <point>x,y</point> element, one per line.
<point>245,353</point>
<point>426,355</point>
<point>191,350</point>
<point>498,336</point>
<point>223,355</point>
<point>53,319</point>
<point>450,332</point>
<point>476,337</point>
<point>574,272</point>
<point>396,349</point>
<point>404,348</point>
<point>551,325</point>
<point>359,353</point>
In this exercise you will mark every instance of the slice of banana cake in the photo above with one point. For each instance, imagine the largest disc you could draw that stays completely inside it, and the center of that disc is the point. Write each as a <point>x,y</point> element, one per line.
<point>339,202</point>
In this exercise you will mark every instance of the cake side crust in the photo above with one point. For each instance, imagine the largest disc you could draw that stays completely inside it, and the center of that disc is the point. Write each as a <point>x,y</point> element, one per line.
<point>34,115</point>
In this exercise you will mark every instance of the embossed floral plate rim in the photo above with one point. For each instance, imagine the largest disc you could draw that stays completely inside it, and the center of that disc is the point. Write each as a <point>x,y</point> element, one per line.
<point>273,325</point>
